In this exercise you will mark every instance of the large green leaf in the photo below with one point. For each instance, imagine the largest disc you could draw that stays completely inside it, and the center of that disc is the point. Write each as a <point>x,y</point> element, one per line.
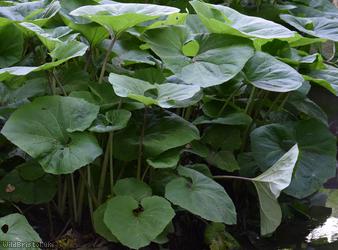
<point>266,72</point>
<point>16,229</point>
<point>32,190</point>
<point>11,45</point>
<point>327,78</point>
<point>163,131</point>
<point>121,16</point>
<point>217,58</point>
<point>222,19</point>
<point>269,185</point>
<point>201,195</point>
<point>322,27</point>
<point>317,147</point>
<point>49,129</point>
<point>165,95</point>
<point>62,53</point>
<point>136,224</point>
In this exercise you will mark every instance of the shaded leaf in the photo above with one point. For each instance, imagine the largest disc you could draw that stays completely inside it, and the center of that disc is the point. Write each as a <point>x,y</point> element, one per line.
<point>201,195</point>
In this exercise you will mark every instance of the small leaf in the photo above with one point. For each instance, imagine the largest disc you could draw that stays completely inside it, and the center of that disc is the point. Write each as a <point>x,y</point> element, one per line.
<point>135,224</point>
<point>113,120</point>
<point>191,48</point>
<point>201,195</point>
<point>168,159</point>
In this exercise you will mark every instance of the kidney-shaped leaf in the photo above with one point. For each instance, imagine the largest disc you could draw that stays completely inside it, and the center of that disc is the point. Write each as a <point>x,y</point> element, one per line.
<point>269,185</point>
<point>201,195</point>
<point>121,16</point>
<point>136,224</point>
<point>15,228</point>
<point>266,72</point>
<point>49,129</point>
<point>222,19</point>
<point>165,95</point>
<point>218,58</point>
<point>317,153</point>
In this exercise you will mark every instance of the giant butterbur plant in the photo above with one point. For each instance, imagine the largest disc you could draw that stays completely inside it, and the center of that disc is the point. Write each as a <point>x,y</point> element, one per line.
<point>132,113</point>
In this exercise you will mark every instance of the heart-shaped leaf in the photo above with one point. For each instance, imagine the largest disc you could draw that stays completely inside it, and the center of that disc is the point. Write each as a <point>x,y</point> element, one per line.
<point>219,58</point>
<point>269,185</point>
<point>266,72</point>
<point>49,129</point>
<point>121,16</point>
<point>15,228</point>
<point>166,95</point>
<point>222,19</point>
<point>136,224</point>
<point>317,147</point>
<point>201,195</point>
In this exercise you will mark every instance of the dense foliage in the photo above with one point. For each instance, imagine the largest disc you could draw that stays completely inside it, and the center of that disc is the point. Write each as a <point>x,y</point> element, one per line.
<point>126,114</point>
